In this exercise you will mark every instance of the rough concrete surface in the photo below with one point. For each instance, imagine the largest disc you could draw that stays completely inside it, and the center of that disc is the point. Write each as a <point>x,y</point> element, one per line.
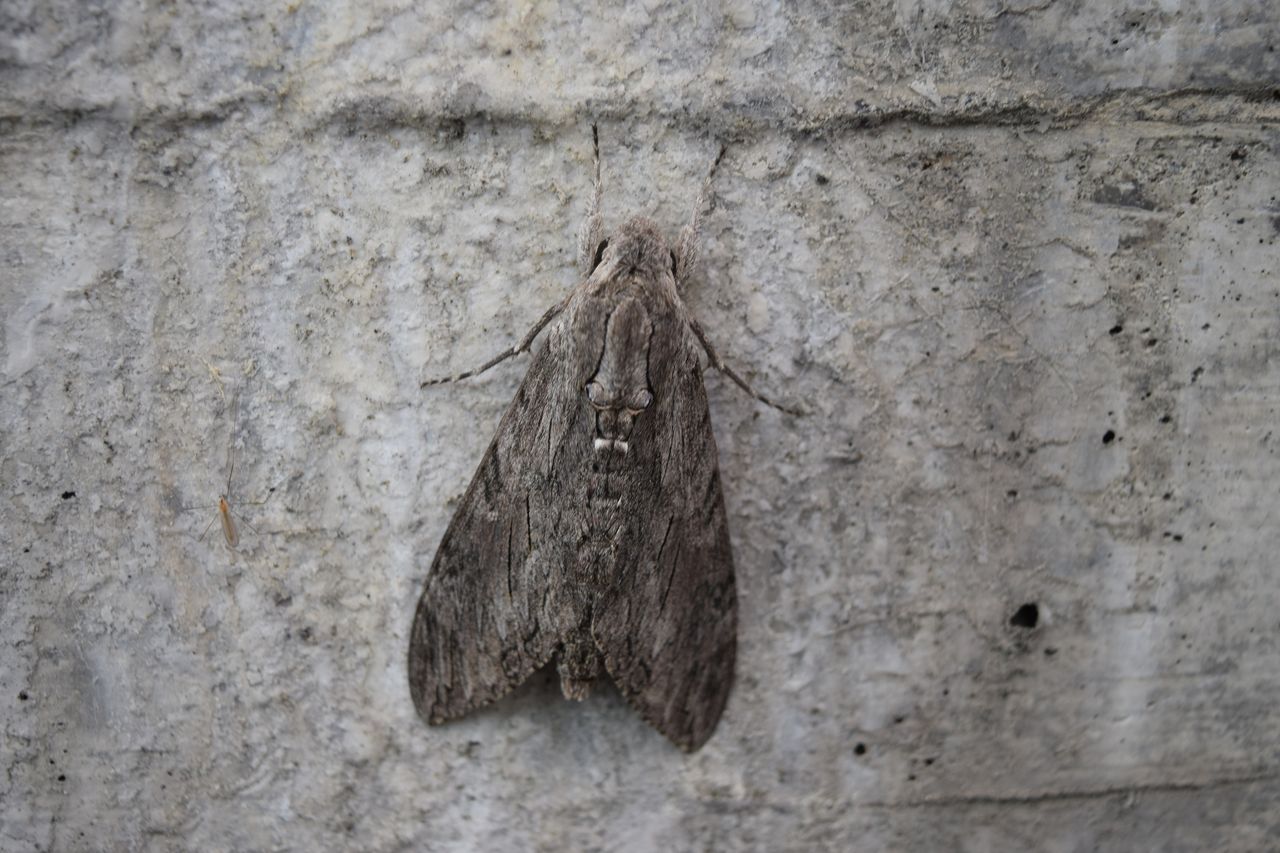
<point>1010,585</point>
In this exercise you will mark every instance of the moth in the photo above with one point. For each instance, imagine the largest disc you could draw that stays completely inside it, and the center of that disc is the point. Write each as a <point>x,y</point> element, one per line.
<point>593,534</point>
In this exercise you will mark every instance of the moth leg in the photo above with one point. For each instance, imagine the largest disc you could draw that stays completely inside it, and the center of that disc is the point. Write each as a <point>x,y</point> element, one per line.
<point>207,528</point>
<point>591,233</point>
<point>523,346</point>
<point>719,365</point>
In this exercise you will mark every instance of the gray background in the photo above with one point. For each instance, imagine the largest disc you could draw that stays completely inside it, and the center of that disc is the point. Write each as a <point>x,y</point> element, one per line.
<point>1017,258</point>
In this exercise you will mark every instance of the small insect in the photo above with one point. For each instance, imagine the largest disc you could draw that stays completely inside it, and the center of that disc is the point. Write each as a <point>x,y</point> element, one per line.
<point>225,513</point>
<point>594,531</point>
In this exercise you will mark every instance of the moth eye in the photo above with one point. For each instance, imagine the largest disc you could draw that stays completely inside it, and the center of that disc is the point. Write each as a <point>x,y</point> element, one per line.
<point>599,254</point>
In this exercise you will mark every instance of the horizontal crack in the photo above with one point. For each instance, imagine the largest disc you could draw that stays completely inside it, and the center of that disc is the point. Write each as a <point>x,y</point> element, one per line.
<point>730,121</point>
<point>1077,794</point>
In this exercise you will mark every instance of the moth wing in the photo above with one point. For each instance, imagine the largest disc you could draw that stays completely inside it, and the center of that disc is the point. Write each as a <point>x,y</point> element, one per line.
<point>487,618</point>
<point>668,626</point>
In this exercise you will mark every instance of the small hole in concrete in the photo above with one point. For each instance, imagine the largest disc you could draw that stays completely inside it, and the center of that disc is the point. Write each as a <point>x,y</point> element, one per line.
<point>1108,436</point>
<point>860,749</point>
<point>1027,616</point>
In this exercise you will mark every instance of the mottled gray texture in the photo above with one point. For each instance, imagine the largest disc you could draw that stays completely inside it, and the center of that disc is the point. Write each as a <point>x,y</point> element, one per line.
<point>1018,260</point>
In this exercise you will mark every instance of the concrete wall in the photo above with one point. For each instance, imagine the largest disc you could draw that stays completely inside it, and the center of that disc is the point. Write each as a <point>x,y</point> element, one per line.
<point>1018,259</point>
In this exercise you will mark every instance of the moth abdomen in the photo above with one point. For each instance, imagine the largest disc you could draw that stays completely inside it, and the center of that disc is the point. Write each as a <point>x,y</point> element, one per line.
<point>578,665</point>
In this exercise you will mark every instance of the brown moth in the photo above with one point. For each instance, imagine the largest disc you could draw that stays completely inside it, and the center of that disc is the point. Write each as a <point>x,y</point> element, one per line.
<point>593,533</point>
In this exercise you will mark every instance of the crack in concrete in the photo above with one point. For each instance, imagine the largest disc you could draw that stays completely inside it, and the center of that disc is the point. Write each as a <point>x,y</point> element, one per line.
<point>1039,797</point>
<point>1186,106</point>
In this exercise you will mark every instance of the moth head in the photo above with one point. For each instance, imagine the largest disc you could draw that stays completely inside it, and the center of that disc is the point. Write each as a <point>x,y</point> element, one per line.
<point>636,249</point>
<point>619,390</point>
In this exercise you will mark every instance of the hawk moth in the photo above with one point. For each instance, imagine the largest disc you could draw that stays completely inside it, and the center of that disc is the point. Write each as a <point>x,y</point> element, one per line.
<point>593,533</point>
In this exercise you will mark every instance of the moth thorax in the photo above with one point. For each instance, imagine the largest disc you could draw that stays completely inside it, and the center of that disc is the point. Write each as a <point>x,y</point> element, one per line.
<point>619,391</point>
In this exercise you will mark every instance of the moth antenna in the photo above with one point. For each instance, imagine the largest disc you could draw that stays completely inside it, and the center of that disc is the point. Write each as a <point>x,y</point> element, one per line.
<point>687,244</point>
<point>591,233</point>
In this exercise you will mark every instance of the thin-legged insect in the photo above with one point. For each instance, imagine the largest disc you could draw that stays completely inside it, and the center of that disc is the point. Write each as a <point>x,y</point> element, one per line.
<point>227,515</point>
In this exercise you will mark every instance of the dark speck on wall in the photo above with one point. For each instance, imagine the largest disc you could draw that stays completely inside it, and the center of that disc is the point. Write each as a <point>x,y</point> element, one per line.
<point>1026,616</point>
